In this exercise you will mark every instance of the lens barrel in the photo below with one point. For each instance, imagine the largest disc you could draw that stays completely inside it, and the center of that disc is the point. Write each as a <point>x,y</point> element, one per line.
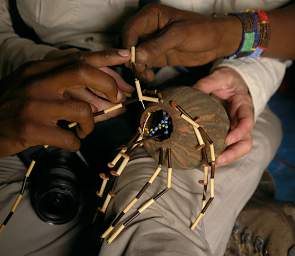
<point>56,186</point>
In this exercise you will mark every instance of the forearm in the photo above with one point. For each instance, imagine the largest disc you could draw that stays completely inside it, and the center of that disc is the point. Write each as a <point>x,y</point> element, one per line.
<point>282,40</point>
<point>263,77</point>
<point>17,51</point>
<point>230,30</point>
<point>14,51</point>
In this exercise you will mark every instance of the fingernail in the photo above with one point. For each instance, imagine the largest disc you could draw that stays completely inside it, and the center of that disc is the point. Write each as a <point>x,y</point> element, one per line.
<point>124,52</point>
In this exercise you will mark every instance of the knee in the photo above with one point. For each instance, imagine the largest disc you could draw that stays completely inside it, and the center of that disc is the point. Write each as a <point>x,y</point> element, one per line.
<point>267,134</point>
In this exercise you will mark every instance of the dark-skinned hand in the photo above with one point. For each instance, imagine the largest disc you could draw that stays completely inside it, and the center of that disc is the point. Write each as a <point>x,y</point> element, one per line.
<point>39,94</point>
<point>165,36</point>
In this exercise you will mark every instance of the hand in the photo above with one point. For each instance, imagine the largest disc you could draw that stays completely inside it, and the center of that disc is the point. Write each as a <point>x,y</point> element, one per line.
<point>166,36</point>
<point>36,96</point>
<point>228,85</point>
<point>94,98</point>
<point>97,99</point>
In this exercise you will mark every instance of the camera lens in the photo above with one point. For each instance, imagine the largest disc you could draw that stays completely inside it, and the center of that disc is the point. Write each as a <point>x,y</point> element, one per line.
<point>57,206</point>
<point>57,197</point>
<point>57,186</point>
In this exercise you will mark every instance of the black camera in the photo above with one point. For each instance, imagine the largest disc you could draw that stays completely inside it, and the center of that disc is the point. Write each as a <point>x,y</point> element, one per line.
<point>58,185</point>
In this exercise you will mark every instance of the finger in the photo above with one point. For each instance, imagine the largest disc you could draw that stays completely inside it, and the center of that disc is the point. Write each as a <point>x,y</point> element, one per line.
<point>102,95</point>
<point>146,75</point>
<point>97,59</point>
<point>34,133</point>
<point>140,67</point>
<point>149,75</point>
<point>105,105</point>
<point>216,84</point>
<point>54,136</point>
<point>84,95</point>
<point>34,68</point>
<point>105,58</point>
<point>50,112</point>
<point>76,111</point>
<point>97,103</point>
<point>54,84</point>
<point>121,97</point>
<point>243,121</point>
<point>235,151</point>
<point>122,85</point>
<point>145,22</point>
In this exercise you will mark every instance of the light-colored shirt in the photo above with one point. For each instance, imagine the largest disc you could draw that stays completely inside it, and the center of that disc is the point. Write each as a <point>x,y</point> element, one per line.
<point>96,24</point>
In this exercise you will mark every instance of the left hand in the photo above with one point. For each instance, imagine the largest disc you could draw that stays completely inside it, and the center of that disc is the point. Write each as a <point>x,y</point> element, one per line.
<point>228,85</point>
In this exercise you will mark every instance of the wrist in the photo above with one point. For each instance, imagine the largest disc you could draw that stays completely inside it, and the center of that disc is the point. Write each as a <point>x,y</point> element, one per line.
<point>230,30</point>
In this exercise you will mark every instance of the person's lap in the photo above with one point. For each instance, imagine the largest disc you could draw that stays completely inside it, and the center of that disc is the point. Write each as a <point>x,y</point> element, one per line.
<point>25,233</point>
<point>164,228</point>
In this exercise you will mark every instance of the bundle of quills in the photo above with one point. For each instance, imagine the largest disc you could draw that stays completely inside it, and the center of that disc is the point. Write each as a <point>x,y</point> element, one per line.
<point>180,128</point>
<point>184,129</point>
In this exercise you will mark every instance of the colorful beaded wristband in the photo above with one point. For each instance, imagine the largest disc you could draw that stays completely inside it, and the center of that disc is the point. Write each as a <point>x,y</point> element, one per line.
<point>255,35</point>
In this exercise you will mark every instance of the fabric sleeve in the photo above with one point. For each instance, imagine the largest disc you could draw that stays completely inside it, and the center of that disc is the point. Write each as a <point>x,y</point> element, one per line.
<point>263,77</point>
<point>14,51</point>
<point>225,6</point>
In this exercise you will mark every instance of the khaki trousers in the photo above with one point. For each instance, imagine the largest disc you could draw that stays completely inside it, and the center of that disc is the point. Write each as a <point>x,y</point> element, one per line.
<point>163,229</point>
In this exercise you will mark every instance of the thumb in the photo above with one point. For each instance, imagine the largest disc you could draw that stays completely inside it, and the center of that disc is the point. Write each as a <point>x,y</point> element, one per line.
<point>217,83</point>
<point>209,84</point>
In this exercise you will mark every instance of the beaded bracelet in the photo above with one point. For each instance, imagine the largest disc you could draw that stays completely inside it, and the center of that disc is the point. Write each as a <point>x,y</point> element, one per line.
<point>255,35</point>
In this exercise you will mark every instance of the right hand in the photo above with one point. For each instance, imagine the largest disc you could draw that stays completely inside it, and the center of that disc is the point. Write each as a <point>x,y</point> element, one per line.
<point>165,36</point>
<point>36,96</point>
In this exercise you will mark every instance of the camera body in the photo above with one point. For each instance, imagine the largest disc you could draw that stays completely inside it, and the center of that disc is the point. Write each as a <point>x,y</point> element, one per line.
<point>59,185</point>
